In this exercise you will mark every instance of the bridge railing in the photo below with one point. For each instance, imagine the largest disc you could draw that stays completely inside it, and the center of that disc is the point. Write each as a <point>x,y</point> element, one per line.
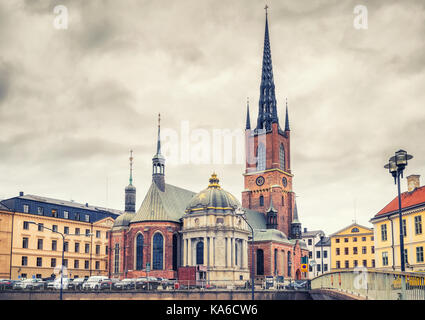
<point>374,284</point>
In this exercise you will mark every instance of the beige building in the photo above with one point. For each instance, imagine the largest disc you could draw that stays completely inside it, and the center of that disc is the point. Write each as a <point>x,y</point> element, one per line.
<point>29,247</point>
<point>215,237</point>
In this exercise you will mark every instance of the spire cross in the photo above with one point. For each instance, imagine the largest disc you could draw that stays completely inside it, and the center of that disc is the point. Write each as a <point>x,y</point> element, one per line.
<point>265,8</point>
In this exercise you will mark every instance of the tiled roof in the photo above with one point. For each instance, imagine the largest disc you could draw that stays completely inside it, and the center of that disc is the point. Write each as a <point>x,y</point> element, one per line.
<point>256,219</point>
<point>408,201</point>
<point>167,205</point>
<point>326,242</point>
<point>3,207</point>
<point>311,233</point>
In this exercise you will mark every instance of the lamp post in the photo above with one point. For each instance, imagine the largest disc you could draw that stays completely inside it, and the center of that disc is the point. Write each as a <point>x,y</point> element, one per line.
<point>396,166</point>
<point>242,214</point>
<point>321,251</point>
<point>63,250</point>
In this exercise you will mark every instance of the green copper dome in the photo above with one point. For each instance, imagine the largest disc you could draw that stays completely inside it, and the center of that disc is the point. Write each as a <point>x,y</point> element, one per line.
<point>214,198</point>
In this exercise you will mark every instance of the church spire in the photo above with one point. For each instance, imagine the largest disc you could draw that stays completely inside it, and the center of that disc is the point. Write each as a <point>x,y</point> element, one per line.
<point>130,190</point>
<point>248,120</point>
<point>131,167</point>
<point>158,162</point>
<point>267,111</point>
<point>287,117</point>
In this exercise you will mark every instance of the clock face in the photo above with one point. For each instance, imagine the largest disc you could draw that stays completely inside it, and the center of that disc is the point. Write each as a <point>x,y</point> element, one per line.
<point>260,181</point>
<point>284,181</point>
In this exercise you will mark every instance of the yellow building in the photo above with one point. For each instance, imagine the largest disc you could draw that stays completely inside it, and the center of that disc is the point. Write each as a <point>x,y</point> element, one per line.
<point>352,247</point>
<point>29,247</point>
<point>387,230</point>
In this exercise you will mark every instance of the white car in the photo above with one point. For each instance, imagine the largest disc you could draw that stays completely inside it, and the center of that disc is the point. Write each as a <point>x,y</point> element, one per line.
<point>57,284</point>
<point>93,283</point>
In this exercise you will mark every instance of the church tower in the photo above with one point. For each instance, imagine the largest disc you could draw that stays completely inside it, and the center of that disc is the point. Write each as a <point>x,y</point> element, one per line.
<point>267,177</point>
<point>130,190</point>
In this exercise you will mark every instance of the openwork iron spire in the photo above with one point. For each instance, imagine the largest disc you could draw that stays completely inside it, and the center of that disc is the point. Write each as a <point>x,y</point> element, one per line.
<point>158,146</point>
<point>267,112</point>
<point>287,117</point>
<point>131,167</point>
<point>248,120</point>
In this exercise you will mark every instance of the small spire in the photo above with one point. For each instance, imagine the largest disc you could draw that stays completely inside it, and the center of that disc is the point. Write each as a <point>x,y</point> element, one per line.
<point>158,147</point>
<point>214,181</point>
<point>131,167</point>
<point>295,220</point>
<point>271,208</point>
<point>248,120</point>
<point>287,117</point>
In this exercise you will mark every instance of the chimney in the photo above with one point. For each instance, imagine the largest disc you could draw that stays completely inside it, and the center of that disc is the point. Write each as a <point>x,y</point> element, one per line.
<point>305,230</point>
<point>412,182</point>
<point>21,193</point>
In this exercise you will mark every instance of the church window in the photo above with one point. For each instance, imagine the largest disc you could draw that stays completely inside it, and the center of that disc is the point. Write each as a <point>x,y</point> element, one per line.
<point>260,262</point>
<point>117,258</point>
<point>275,262</point>
<point>158,251</point>
<point>139,252</point>
<point>200,252</point>
<point>261,201</point>
<point>289,263</point>
<point>175,241</point>
<point>282,157</point>
<point>261,157</point>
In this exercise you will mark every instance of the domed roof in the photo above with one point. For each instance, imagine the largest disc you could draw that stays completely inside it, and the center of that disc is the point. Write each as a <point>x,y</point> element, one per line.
<point>213,198</point>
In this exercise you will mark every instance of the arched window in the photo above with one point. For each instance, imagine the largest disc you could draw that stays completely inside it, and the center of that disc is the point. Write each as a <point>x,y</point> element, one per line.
<point>139,252</point>
<point>261,157</point>
<point>157,251</point>
<point>355,230</point>
<point>275,261</point>
<point>261,201</point>
<point>260,262</point>
<point>200,252</point>
<point>175,241</point>
<point>289,263</point>
<point>117,258</point>
<point>282,157</point>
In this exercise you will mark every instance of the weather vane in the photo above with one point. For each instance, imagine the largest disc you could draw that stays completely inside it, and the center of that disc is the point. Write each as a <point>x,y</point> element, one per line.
<point>266,7</point>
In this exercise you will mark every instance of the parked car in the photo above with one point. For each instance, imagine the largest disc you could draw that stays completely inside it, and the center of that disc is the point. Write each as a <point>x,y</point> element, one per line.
<point>167,283</point>
<point>93,283</point>
<point>108,284</point>
<point>297,285</point>
<point>56,284</point>
<point>30,284</point>
<point>7,284</point>
<point>76,284</point>
<point>126,284</point>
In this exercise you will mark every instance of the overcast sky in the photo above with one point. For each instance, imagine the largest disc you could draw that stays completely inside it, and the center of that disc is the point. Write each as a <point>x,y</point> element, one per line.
<point>73,102</point>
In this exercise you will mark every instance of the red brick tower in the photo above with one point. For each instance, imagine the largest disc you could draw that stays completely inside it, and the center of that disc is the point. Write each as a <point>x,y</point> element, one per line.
<point>268,178</point>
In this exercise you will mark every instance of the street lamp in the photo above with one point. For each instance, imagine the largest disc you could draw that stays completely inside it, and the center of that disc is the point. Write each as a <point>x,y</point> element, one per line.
<point>63,248</point>
<point>321,251</point>
<point>395,166</point>
<point>242,214</point>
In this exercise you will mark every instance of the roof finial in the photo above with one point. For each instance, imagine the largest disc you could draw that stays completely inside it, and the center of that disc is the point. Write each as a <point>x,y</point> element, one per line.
<point>265,8</point>
<point>131,167</point>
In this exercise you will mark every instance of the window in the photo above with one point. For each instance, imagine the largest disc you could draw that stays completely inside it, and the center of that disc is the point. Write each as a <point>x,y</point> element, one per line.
<point>373,263</point>
<point>26,225</point>
<point>338,265</point>
<point>337,251</point>
<point>87,232</point>
<point>66,214</point>
<point>55,228</point>
<point>310,254</point>
<point>40,227</point>
<point>54,213</point>
<point>77,247</point>
<point>283,201</point>
<point>345,239</point>
<point>39,262</point>
<point>76,264</point>
<point>318,254</point>
<point>419,254</point>
<point>355,239</point>
<point>87,218</point>
<point>385,258</point>
<point>24,261</point>
<point>355,230</point>
<point>97,265</point>
<point>336,240</point>
<point>363,238</point>
<point>325,268</point>
<point>260,262</point>
<point>261,157</point>
<point>87,248</point>
<point>65,246</point>
<point>282,157</point>
<point>158,251</point>
<point>354,250</point>
<point>364,263</point>
<point>97,249</point>
<point>364,250</point>
<point>347,264</point>
<point>418,225</point>
<point>40,244</point>
<point>310,242</point>
<point>200,252</point>
<point>25,243</point>
<point>40,211</point>
<point>325,253</point>
<point>107,249</point>
<point>289,263</point>
<point>318,267</point>
<point>261,201</point>
<point>65,263</point>
<point>26,208</point>
<point>54,245</point>
<point>86,264</point>
<point>404,228</point>
<point>139,252</point>
<point>372,249</point>
<point>66,230</point>
<point>117,258</point>
<point>77,216</point>
<point>405,256</point>
<point>97,234</point>
<point>384,232</point>
<point>77,231</point>
<point>53,262</point>
<point>345,251</point>
<point>355,263</point>
<point>371,238</point>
